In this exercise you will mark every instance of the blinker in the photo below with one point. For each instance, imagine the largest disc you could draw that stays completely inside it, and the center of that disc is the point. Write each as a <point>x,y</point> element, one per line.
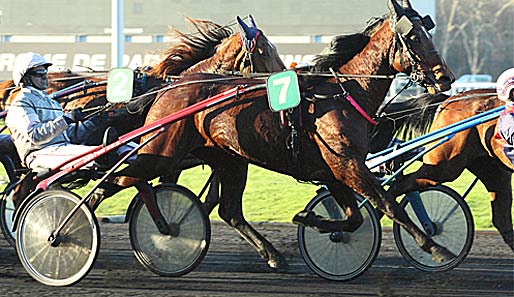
<point>428,23</point>
<point>403,26</point>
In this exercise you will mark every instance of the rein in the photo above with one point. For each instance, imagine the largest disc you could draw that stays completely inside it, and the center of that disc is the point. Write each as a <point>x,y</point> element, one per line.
<point>409,112</point>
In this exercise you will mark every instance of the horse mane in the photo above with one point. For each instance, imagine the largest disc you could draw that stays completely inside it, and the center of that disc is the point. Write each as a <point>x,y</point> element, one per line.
<point>343,48</point>
<point>190,48</point>
<point>414,116</point>
<point>405,120</point>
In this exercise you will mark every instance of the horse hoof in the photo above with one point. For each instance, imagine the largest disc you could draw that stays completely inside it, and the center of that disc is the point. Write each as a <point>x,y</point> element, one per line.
<point>441,254</point>
<point>303,218</point>
<point>280,264</point>
<point>307,218</point>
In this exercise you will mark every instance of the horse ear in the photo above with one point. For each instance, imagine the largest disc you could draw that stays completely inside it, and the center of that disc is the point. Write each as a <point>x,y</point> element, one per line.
<point>252,21</point>
<point>249,33</point>
<point>395,8</point>
<point>242,25</point>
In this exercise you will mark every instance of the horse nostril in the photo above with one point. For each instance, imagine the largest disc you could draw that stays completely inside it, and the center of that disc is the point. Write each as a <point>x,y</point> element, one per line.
<point>445,80</point>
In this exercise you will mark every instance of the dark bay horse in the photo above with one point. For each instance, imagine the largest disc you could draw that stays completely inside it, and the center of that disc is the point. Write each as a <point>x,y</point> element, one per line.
<point>476,149</point>
<point>331,140</point>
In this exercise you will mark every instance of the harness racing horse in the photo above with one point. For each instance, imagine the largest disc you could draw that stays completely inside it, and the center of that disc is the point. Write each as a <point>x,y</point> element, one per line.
<point>330,145</point>
<point>476,149</point>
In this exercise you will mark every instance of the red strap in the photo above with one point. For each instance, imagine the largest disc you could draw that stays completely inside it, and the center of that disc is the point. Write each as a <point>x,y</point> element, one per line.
<point>360,110</point>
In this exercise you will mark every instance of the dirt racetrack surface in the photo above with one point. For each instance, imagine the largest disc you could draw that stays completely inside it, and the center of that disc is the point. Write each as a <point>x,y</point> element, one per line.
<point>233,268</point>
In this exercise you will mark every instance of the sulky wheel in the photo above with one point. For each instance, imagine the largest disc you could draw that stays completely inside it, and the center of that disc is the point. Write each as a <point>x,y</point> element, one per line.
<point>453,224</point>
<point>181,252</point>
<point>6,216</point>
<point>340,256</point>
<point>67,258</point>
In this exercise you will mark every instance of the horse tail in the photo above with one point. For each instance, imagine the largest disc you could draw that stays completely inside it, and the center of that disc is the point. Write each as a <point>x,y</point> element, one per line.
<point>405,119</point>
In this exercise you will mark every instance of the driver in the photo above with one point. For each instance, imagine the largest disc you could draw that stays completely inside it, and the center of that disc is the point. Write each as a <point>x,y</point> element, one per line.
<point>44,135</point>
<point>505,92</point>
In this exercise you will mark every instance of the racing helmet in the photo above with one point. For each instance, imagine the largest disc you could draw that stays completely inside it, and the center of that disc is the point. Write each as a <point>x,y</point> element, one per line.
<point>24,63</point>
<point>505,85</point>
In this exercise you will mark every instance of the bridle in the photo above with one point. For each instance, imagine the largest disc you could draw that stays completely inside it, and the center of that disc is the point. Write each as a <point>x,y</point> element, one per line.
<point>401,29</point>
<point>249,46</point>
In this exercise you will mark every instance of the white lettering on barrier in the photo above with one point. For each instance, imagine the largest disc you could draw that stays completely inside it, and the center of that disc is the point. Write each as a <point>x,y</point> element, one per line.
<point>95,62</point>
<point>139,60</point>
<point>298,59</point>
<point>58,60</point>
<point>7,62</point>
<point>98,61</point>
<point>80,60</point>
<point>77,62</point>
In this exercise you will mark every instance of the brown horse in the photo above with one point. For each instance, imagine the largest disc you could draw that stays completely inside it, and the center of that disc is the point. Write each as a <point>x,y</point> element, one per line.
<point>331,147</point>
<point>476,149</point>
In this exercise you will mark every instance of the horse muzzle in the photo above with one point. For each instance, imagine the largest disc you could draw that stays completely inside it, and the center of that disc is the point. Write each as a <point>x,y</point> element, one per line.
<point>440,81</point>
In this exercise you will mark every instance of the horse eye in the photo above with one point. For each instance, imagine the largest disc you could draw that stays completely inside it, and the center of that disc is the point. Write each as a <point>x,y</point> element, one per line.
<point>262,52</point>
<point>414,38</point>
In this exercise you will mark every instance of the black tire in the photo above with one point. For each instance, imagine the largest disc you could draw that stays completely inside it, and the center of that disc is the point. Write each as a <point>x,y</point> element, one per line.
<point>164,254</point>
<point>455,228</point>
<point>71,260</point>
<point>6,203</point>
<point>6,216</point>
<point>340,260</point>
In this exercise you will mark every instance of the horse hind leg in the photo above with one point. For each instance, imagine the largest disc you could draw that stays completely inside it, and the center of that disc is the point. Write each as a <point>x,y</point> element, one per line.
<point>212,197</point>
<point>232,177</point>
<point>498,183</point>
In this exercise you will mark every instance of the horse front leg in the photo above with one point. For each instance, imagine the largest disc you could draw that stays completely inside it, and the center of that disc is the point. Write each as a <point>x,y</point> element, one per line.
<point>232,177</point>
<point>345,198</point>
<point>364,183</point>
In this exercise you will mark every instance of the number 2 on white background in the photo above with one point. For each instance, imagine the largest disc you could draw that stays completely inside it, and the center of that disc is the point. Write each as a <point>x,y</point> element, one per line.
<point>120,88</point>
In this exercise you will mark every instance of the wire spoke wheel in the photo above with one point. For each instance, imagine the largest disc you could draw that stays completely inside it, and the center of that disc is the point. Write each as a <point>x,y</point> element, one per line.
<point>454,228</point>
<point>171,255</point>
<point>340,256</point>
<point>70,257</point>
<point>6,217</point>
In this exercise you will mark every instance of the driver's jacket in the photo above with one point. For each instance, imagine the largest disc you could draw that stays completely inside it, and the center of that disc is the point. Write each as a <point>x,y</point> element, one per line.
<point>37,121</point>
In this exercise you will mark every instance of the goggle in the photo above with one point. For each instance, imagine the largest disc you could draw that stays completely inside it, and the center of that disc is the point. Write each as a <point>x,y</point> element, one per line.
<point>39,73</point>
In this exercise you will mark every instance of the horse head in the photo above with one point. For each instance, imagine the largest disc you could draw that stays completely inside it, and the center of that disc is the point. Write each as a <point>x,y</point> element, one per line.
<point>415,53</point>
<point>260,54</point>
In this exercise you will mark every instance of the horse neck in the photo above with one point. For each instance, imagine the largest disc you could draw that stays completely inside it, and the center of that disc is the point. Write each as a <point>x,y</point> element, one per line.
<point>374,59</point>
<point>228,57</point>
